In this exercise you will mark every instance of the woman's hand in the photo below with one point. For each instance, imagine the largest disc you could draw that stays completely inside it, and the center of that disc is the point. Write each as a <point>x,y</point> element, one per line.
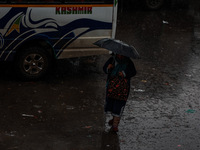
<point>110,66</point>
<point>121,74</point>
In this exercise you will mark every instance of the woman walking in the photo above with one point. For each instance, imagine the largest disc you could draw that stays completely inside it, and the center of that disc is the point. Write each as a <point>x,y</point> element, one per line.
<point>121,68</point>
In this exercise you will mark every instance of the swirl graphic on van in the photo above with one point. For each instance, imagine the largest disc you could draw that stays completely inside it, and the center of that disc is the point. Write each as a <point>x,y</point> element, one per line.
<point>28,22</point>
<point>21,28</point>
<point>21,25</point>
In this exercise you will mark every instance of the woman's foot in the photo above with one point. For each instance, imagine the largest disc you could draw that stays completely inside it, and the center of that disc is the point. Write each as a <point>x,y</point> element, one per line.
<point>110,122</point>
<point>115,124</point>
<point>114,129</point>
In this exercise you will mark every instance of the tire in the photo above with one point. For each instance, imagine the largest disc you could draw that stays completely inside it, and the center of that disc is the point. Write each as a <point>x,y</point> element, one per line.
<point>32,63</point>
<point>153,4</point>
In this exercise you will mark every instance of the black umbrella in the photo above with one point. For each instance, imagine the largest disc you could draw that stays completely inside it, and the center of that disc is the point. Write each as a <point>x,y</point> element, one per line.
<point>118,47</point>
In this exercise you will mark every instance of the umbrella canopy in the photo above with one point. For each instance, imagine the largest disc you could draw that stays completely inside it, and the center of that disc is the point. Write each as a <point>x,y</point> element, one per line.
<point>118,47</point>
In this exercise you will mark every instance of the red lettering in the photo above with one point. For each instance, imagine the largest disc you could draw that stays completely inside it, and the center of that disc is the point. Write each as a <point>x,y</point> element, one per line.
<point>89,10</point>
<point>69,10</point>
<point>63,10</point>
<point>74,10</point>
<point>57,10</point>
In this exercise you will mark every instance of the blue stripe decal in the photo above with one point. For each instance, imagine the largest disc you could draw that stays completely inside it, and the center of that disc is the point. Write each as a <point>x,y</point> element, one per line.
<point>17,30</point>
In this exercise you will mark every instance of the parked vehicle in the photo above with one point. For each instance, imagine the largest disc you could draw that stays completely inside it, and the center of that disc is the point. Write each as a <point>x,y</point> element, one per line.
<point>153,4</point>
<point>34,33</point>
<point>157,4</point>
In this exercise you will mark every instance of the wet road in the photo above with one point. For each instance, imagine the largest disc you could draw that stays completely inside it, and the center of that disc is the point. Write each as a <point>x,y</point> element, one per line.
<point>162,112</point>
<point>65,110</point>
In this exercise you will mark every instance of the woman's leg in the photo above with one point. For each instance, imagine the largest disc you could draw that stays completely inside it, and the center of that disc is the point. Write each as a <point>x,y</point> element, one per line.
<point>118,108</point>
<point>115,125</point>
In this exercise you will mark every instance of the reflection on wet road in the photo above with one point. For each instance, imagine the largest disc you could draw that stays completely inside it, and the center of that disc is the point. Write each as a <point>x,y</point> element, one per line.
<point>62,112</point>
<point>162,110</point>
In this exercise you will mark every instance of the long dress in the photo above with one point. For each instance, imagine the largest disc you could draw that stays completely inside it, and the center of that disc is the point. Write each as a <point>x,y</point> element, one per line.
<point>127,67</point>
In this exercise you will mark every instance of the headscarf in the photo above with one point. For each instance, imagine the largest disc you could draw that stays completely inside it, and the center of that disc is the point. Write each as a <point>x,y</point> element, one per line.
<point>120,65</point>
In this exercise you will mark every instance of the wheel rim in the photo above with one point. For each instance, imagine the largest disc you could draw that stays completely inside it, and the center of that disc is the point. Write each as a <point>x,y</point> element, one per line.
<point>33,64</point>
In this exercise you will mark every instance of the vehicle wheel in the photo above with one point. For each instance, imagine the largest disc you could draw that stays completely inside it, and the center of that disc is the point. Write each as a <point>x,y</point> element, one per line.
<point>154,4</point>
<point>32,63</point>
